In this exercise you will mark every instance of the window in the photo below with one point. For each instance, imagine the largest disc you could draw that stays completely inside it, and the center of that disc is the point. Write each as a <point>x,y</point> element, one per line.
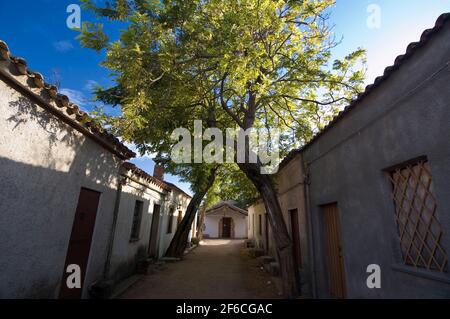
<point>170,221</point>
<point>415,212</point>
<point>137,216</point>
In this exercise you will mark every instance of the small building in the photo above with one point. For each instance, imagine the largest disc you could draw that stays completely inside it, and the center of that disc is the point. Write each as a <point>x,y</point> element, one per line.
<point>69,200</point>
<point>225,220</point>
<point>148,213</point>
<point>371,191</point>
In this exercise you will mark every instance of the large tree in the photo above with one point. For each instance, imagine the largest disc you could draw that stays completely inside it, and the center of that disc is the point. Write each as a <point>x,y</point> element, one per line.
<point>202,179</point>
<point>257,63</point>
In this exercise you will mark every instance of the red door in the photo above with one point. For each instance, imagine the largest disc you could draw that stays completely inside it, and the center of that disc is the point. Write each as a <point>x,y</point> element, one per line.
<point>153,238</point>
<point>226,227</point>
<point>80,240</point>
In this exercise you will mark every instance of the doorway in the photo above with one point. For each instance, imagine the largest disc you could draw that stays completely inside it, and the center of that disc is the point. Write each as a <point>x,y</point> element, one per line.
<point>333,251</point>
<point>295,232</point>
<point>226,227</point>
<point>80,240</point>
<point>266,233</point>
<point>153,238</point>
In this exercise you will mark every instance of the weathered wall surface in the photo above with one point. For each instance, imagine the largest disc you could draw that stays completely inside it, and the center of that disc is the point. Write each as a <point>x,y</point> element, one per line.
<point>255,213</point>
<point>408,116</point>
<point>174,199</point>
<point>43,165</point>
<point>291,195</point>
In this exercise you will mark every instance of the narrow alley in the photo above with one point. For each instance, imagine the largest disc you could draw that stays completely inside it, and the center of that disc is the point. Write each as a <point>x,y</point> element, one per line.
<point>218,268</point>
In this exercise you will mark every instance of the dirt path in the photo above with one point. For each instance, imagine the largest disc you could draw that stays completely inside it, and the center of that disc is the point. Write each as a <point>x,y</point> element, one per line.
<point>216,269</point>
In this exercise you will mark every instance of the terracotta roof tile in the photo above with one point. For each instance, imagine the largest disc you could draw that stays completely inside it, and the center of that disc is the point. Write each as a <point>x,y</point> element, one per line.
<point>388,71</point>
<point>64,107</point>
<point>229,205</point>
<point>141,173</point>
<point>175,187</point>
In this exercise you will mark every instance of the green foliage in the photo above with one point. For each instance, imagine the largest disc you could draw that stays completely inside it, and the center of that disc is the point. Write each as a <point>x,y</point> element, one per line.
<point>232,184</point>
<point>251,63</point>
<point>92,36</point>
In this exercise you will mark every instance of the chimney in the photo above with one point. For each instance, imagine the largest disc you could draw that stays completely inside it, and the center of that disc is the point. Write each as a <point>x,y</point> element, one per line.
<point>158,172</point>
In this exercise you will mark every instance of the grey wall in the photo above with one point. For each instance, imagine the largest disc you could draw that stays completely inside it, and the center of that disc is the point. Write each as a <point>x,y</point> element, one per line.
<point>43,165</point>
<point>408,116</point>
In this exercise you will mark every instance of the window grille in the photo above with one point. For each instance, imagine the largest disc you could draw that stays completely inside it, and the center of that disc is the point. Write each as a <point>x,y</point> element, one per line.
<point>137,216</point>
<point>415,211</point>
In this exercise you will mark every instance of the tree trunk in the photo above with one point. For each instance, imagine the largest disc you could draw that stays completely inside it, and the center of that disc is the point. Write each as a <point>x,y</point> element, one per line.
<point>283,242</point>
<point>180,238</point>
<point>200,224</point>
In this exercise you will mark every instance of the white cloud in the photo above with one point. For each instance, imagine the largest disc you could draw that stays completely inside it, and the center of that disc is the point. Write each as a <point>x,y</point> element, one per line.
<point>90,85</point>
<point>133,147</point>
<point>63,46</point>
<point>75,96</point>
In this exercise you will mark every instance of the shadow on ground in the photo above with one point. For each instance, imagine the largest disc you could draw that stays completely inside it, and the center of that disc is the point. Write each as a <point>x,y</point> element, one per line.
<point>217,269</point>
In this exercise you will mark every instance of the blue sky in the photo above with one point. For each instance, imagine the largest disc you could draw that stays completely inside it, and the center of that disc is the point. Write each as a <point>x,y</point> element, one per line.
<point>37,31</point>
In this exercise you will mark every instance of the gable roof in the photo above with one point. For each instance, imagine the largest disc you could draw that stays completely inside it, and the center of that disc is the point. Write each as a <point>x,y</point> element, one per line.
<point>176,188</point>
<point>226,204</point>
<point>412,48</point>
<point>14,71</point>
<point>141,173</point>
<point>151,179</point>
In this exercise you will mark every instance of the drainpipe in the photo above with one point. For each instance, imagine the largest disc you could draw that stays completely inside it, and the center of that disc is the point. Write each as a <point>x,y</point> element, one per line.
<point>122,181</point>
<point>308,216</point>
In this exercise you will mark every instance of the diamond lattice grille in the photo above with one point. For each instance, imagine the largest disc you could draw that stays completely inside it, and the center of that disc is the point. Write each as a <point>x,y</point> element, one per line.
<point>419,229</point>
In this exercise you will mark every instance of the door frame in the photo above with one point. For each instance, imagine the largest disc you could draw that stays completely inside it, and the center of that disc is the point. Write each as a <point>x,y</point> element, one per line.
<point>152,250</point>
<point>295,234</point>
<point>266,233</point>
<point>222,225</point>
<point>62,294</point>
<point>336,231</point>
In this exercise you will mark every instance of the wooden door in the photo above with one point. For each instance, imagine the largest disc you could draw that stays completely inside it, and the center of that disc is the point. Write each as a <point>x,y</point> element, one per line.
<point>226,227</point>
<point>266,230</point>
<point>153,238</point>
<point>295,232</point>
<point>333,251</point>
<point>80,240</point>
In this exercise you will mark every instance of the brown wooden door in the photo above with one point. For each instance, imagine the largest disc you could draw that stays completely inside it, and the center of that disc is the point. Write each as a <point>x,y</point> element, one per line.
<point>333,251</point>
<point>153,238</point>
<point>226,227</point>
<point>295,232</point>
<point>267,232</point>
<point>80,240</point>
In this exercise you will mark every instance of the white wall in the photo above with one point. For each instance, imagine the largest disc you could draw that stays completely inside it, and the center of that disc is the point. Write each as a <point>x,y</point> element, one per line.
<point>174,199</point>
<point>126,253</point>
<point>43,164</point>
